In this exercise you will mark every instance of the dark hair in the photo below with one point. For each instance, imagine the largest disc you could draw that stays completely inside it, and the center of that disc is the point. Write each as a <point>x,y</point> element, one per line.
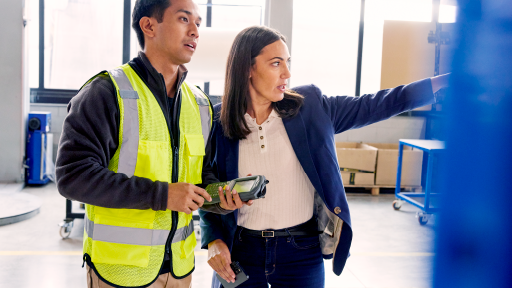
<point>246,47</point>
<point>147,8</point>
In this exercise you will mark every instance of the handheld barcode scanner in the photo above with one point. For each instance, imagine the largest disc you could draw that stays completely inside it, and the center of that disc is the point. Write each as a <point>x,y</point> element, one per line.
<point>249,188</point>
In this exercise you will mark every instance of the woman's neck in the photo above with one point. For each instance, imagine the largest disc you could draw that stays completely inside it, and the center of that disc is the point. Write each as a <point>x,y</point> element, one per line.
<point>260,111</point>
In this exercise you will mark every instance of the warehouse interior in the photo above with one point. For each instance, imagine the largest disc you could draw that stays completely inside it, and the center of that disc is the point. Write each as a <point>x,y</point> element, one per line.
<point>444,225</point>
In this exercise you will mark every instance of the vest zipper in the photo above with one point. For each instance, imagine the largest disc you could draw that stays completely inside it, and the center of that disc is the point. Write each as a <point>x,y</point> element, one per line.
<point>175,134</point>
<point>174,213</point>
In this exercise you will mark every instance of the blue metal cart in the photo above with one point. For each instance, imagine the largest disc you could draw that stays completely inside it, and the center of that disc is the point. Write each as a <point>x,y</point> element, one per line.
<point>432,148</point>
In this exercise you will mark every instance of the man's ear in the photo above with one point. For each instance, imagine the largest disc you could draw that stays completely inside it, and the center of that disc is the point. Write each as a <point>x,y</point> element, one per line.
<point>147,25</point>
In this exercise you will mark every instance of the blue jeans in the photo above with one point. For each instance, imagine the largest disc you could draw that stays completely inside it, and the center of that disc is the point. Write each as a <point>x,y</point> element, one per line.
<point>292,261</point>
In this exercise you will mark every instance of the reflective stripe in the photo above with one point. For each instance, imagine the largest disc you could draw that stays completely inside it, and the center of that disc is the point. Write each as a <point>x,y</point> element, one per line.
<point>121,79</point>
<point>205,122</point>
<point>183,233</point>
<point>126,235</point>
<point>130,144</point>
<point>204,111</point>
<point>127,94</point>
<point>200,100</point>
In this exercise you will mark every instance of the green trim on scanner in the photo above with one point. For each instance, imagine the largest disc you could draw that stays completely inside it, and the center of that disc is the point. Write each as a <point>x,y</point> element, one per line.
<point>249,188</point>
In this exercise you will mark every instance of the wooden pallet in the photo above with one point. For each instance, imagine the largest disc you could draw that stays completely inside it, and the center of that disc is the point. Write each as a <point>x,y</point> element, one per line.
<point>376,188</point>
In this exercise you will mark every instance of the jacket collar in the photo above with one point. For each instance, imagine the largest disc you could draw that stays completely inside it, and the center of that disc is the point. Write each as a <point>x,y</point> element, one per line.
<point>156,77</point>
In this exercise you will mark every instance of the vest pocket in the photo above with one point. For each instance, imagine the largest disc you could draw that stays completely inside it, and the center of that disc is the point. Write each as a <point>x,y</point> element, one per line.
<point>193,155</point>
<point>120,254</point>
<point>153,160</point>
<point>124,239</point>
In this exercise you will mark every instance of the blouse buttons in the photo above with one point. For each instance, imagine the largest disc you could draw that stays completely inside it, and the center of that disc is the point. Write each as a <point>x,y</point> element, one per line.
<point>260,128</point>
<point>261,137</point>
<point>262,146</point>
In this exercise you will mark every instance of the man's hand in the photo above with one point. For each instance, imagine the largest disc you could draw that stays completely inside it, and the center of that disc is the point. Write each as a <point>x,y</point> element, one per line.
<point>185,197</point>
<point>219,259</point>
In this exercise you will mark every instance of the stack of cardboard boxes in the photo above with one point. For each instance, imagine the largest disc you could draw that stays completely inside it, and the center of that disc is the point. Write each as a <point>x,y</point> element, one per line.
<point>357,163</point>
<point>375,164</point>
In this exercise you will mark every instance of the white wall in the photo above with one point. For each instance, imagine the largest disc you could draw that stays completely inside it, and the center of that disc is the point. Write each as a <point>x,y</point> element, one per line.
<point>279,15</point>
<point>388,131</point>
<point>14,93</point>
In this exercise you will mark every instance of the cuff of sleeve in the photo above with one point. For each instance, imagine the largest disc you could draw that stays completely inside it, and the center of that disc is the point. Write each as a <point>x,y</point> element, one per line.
<point>215,208</point>
<point>422,92</point>
<point>205,241</point>
<point>161,194</point>
<point>222,210</point>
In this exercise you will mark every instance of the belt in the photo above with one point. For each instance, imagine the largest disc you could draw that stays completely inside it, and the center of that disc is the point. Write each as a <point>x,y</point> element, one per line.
<point>277,233</point>
<point>305,229</point>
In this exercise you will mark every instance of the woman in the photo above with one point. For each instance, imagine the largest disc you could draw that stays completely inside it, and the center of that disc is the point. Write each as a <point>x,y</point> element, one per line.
<point>288,136</point>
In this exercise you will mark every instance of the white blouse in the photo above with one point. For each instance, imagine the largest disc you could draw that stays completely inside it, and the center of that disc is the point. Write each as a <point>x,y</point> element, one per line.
<point>290,195</point>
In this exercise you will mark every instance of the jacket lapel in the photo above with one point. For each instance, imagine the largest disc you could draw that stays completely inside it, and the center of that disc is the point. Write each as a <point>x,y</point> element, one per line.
<point>296,130</point>
<point>232,158</point>
<point>231,146</point>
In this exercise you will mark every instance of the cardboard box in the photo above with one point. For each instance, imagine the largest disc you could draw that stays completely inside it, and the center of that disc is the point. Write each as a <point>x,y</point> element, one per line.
<point>357,178</point>
<point>387,162</point>
<point>358,156</point>
<point>407,56</point>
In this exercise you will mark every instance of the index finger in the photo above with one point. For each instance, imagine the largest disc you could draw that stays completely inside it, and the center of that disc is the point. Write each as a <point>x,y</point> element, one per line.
<point>201,192</point>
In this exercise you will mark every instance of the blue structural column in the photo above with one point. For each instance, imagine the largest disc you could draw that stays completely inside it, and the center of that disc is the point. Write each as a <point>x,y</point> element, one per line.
<point>474,232</point>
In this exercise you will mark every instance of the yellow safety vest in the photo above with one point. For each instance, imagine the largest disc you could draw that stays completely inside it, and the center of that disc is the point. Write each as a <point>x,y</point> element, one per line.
<point>127,246</point>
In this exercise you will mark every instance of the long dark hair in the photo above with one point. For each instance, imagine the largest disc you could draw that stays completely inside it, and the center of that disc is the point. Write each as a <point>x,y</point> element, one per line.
<point>246,47</point>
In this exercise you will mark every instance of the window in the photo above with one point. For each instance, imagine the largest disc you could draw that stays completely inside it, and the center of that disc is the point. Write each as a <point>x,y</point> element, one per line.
<point>325,43</point>
<point>84,37</point>
<point>325,40</point>
<point>232,15</point>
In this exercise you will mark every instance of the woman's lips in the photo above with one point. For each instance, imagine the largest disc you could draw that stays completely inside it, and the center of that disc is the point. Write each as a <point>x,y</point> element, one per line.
<point>281,88</point>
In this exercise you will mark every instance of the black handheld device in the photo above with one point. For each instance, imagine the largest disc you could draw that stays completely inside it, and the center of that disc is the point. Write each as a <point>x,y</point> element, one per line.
<point>240,277</point>
<point>249,188</point>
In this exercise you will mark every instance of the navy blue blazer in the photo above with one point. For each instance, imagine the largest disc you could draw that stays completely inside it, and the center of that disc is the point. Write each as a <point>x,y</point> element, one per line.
<point>311,134</point>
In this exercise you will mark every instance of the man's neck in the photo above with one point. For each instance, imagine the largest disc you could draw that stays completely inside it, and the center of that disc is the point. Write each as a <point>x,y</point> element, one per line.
<point>167,69</point>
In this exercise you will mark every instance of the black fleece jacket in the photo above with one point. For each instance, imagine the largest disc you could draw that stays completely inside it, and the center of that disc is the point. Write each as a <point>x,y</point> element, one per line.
<point>90,137</point>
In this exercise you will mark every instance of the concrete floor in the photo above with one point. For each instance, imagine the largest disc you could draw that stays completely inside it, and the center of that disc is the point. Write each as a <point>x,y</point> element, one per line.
<point>389,249</point>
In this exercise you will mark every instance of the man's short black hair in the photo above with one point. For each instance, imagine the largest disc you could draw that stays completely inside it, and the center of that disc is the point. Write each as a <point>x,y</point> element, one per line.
<point>147,8</point>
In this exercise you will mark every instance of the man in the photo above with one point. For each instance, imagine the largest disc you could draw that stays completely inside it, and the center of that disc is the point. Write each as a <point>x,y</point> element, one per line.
<point>132,149</point>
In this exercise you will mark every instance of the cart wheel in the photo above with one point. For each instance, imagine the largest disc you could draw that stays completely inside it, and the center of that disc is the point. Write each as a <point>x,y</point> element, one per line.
<point>397,205</point>
<point>423,218</point>
<point>65,228</point>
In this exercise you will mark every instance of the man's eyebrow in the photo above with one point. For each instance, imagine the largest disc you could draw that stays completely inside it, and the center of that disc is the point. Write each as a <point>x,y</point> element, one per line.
<point>188,13</point>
